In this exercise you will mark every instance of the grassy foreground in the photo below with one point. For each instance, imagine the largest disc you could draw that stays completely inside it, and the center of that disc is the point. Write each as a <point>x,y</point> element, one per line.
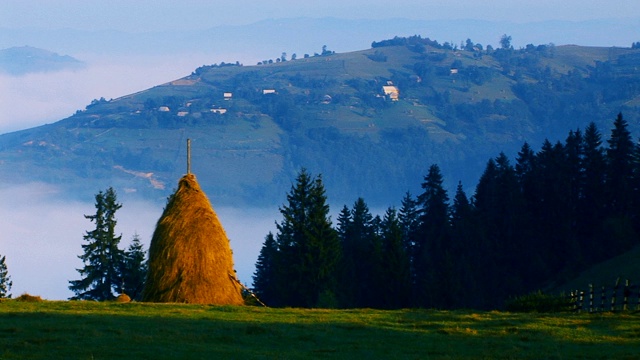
<point>91,330</point>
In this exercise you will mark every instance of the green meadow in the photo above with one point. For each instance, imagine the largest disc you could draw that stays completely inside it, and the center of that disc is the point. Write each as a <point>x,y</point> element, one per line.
<point>109,330</point>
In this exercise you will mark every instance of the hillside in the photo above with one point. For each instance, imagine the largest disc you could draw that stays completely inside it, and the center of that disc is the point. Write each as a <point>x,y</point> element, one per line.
<point>253,127</point>
<point>624,267</point>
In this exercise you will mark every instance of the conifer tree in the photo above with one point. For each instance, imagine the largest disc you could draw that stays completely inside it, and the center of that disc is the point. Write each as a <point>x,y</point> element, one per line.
<point>265,277</point>
<point>618,227</point>
<point>134,270</point>
<point>619,156</point>
<point>394,290</point>
<point>309,246</point>
<point>101,274</point>
<point>408,217</point>
<point>592,194</point>
<point>5,279</point>
<point>432,243</point>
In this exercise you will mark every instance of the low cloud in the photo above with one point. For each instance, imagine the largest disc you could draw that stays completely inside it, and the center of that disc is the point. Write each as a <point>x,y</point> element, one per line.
<point>39,98</point>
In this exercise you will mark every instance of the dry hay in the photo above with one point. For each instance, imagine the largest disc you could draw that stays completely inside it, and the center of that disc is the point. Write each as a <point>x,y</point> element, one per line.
<point>29,298</point>
<point>123,298</point>
<point>190,257</point>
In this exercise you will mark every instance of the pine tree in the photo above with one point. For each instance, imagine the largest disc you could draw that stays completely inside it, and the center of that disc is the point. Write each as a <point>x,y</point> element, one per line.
<point>5,279</point>
<point>408,216</point>
<point>394,290</point>
<point>308,244</point>
<point>592,195</point>
<point>618,227</point>
<point>360,258</point>
<point>502,233</point>
<point>265,277</point>
<point>134,271</point>
<point>432,243</point>
<point>466,247</point>
<point>619,156</point>
<point>102,258</point>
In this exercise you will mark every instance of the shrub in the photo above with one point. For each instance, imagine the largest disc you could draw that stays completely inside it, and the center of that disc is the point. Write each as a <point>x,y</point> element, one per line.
<point>538,302</point>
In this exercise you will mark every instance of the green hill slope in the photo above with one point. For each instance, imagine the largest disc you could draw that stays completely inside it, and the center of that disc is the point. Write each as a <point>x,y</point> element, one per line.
<point>623,267</point>
<point>254,127</point>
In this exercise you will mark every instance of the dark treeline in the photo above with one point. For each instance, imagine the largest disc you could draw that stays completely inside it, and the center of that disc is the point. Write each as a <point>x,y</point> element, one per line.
<point>530,224</point>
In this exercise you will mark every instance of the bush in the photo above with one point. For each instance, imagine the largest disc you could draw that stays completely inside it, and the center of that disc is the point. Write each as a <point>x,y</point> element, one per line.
<point>539,302</point>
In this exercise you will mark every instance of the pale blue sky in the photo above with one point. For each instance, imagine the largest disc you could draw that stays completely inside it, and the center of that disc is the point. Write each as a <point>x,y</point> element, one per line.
<point>152,15</point>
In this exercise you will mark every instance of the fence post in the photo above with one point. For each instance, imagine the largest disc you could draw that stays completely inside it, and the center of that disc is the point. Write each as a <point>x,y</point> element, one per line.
<point>626,293</point>
<point>614,294</point>
<point>603,298</point>
<point>580,300</point>
<point>590,298</point>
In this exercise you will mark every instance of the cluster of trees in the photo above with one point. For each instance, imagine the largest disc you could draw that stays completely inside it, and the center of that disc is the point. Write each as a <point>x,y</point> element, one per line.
<point>294,56</point>
<point>552,214</point>
<point>108,270</point>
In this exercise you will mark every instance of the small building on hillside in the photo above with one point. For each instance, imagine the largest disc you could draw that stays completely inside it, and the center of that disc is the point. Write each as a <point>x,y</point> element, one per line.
<point>268,91</point>
<point>227,95</point>
<point>392,92</point>
<point>164,109</point>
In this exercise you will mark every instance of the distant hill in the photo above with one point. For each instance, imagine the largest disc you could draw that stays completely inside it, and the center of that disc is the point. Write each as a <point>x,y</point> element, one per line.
<point>27,59</point>
<point>371,121</point>
<point>624,267</point>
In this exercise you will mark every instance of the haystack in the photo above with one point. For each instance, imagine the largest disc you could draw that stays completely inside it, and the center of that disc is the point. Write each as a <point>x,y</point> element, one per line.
<point>190,258</point>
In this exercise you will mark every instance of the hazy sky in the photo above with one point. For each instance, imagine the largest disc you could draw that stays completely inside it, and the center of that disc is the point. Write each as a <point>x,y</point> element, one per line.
<point>147,15</point>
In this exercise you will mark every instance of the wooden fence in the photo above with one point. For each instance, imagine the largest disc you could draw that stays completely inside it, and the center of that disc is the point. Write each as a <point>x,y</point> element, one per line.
<point>620,297</point>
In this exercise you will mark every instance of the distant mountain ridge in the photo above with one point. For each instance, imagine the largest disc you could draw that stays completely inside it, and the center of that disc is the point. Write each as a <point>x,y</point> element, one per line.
<point>370,121</point>
<point>26,59</point>
<point>306,35</point>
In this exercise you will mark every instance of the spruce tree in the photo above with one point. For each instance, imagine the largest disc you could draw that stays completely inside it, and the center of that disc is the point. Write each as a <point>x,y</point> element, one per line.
<point>309,246</point>
<point>466,248</point>
<point>432,278</point>
<point>134,270</point>
<point>618,226</point>
<point>394,290</point>
<point>5,279</point>
<point>619,156</point>
<point>265,277</point>
<point>408,217</point>
<point>101,274</point>
<point>592,195</point>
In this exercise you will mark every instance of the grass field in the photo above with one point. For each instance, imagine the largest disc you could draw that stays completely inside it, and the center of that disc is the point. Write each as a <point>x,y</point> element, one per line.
<point>91,330</point>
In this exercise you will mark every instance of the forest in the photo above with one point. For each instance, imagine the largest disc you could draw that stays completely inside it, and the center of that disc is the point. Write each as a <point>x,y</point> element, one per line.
<point>530,224</point>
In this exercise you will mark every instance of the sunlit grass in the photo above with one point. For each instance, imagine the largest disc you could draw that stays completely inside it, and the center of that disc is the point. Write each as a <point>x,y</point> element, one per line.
<point>78,330</point>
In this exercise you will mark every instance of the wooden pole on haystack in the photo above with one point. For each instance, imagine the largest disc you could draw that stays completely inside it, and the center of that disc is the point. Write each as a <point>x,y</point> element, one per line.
<point>188,156</point>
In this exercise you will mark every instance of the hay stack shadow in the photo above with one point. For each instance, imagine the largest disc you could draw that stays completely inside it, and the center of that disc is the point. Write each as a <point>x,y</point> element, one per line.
<point>190,259</point>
